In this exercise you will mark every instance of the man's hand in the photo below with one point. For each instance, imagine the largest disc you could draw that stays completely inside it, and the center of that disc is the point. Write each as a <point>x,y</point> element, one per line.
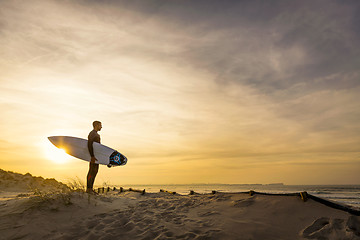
<point>93,159</point>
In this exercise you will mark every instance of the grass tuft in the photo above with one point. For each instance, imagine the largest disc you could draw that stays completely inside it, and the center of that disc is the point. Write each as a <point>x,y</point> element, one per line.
<point>76,184</point>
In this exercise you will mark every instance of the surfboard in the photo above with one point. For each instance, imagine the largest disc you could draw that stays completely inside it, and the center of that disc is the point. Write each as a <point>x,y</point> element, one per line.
<point>77,147</point>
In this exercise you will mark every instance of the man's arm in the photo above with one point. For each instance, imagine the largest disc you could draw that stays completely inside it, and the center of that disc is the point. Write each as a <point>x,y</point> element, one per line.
<point>90,147</point>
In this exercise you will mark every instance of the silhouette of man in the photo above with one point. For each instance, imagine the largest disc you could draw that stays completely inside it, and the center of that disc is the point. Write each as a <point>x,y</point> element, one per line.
<point>93,166</point>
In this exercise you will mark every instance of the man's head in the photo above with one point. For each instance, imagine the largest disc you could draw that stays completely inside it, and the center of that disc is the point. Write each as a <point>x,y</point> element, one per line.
<point>97,125</point>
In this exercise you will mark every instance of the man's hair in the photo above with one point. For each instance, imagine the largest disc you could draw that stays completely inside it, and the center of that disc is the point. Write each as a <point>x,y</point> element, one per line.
<point>95,123</point>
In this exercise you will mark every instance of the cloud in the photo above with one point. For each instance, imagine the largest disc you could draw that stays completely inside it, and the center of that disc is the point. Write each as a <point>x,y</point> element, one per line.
<point>185,80</point>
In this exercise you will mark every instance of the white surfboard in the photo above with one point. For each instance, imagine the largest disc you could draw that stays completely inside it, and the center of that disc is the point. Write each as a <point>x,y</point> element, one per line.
<point>77,147</point>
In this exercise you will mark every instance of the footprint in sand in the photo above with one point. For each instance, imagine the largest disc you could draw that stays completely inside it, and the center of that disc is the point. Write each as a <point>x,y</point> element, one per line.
<point>148,220</point>
<point>148,234</point>
<point>101,215</point>
<point>189,203</point>
<point>92,223</point>
<point>353,225</point>
<point>326,228</point>
<point>129,226</point>
<point>93,236</point>
<point>99,226</point>
<point>108,220</point>
<point>211,234</point>
<point>243,202</point>
<point>178,220</point>
<point>205,223</point>
<point>189,235</point>
<point>208,213</point>
<point>143,204</point>
<point>170,208</point>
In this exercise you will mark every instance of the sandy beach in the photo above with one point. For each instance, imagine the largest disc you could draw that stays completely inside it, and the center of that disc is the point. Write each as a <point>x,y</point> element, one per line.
<point>37,208</point>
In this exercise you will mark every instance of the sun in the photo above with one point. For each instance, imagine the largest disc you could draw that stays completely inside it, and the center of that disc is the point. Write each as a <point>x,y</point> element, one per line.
<point>55,154</point>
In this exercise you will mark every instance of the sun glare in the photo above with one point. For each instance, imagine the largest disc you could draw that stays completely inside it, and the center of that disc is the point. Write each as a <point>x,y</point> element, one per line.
<point>55,154</point>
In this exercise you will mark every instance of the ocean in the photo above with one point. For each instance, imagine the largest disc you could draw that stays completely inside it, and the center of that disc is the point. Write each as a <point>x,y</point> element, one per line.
<point>343,194</point>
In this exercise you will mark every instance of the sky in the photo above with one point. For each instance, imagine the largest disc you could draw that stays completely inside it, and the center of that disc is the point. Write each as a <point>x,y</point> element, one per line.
<point>191,91</point>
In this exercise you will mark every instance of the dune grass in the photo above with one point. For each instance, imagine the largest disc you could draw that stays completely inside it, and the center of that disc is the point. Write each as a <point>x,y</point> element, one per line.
<point>52,198</point>
<point>76,184</point>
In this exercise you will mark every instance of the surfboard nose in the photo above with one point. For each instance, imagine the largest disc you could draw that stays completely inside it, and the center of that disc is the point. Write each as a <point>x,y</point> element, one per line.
<point>54,140</point>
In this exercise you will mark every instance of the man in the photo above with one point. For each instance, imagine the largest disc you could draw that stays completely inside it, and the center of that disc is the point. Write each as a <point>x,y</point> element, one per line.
<point>93,167</point>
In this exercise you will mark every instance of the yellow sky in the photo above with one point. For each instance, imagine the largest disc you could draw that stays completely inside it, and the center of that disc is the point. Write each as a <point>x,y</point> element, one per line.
<point>186,103</point>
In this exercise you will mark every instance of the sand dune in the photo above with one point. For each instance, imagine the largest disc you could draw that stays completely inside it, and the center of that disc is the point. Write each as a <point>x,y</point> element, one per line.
<point>131,215</point>
<point>12,182</point>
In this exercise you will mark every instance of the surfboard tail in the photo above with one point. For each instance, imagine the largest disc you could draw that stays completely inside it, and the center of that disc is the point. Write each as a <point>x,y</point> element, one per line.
<point>117,159</point>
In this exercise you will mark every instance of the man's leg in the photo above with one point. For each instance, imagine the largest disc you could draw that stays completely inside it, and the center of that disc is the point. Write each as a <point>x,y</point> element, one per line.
<point>93,170</point>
